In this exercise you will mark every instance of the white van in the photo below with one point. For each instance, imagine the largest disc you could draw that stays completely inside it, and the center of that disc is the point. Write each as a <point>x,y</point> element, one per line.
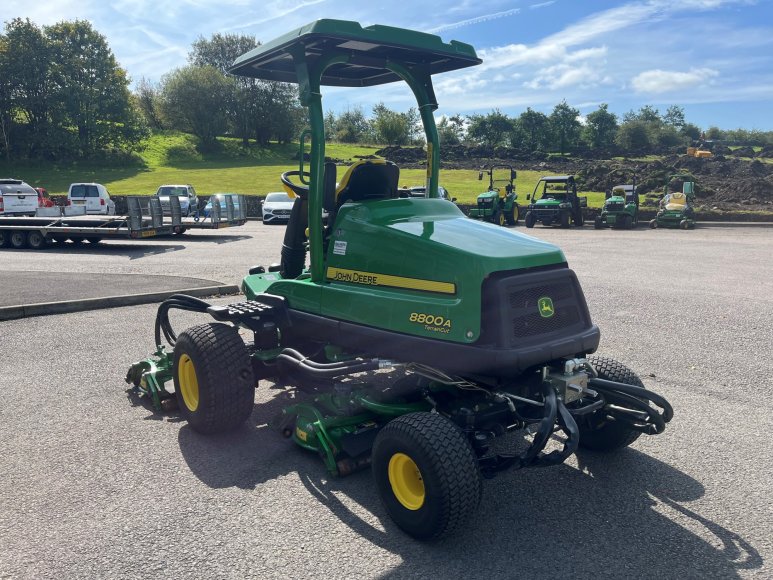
<point>17,198</point>
<point>94,196</point>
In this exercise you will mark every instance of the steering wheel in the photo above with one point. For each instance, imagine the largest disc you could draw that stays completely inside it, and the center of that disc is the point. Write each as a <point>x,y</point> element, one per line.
<point>298,189</point>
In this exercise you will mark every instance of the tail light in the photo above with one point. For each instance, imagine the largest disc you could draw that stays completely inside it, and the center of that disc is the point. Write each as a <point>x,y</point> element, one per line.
<point>101,201</point>
<point>69,201</point>
<point>1,204</point>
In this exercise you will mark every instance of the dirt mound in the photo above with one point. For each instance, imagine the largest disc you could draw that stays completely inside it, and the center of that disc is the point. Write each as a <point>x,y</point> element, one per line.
<point>401,155</point>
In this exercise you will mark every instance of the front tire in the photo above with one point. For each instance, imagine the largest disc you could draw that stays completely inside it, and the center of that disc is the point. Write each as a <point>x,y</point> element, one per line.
<point>213,378</point>
<point>598,433</point>
<point>565,219</point>
<point>426,474</point>
<point>529,220</point>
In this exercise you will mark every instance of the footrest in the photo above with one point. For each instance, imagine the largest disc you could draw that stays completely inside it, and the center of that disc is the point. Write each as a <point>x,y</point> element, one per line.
<point>240,311</point>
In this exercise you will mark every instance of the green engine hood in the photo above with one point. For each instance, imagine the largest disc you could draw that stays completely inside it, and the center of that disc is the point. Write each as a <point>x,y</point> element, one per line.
<point>391,263</point>
<point>488,195</point>
<point>548,203</point>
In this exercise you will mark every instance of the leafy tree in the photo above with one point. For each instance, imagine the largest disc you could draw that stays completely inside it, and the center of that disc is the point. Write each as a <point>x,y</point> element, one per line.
<point>536,129</point>
<point>451,129</point>
<point>691,132</point>
<point>491,130</point>
<point>601,127</point>
<point>633,136</point>
<point>565,125</point>
<point>647,114</point>
<point>391,127</point>
<point>715,134</point>
<point>90,89</point>
<point>192,101</point>
<point>148,98</point>
<point>351,126</point>
<point>257,108</point>
<point>674,117</point>
<point>24,84</point>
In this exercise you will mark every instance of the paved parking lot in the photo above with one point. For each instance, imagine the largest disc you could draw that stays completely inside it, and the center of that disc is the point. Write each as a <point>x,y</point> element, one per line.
<point>92,484</point>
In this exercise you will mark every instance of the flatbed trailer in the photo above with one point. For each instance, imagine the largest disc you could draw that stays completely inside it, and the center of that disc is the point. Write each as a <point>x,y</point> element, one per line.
<point>145,219</point>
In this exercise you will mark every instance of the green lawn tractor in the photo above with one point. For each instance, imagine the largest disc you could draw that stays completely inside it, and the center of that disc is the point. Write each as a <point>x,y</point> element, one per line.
<point>478,332</point>
<point>555,201</point>
<point>497,204</point>
<point>621,208</point>
<point>676,206</point>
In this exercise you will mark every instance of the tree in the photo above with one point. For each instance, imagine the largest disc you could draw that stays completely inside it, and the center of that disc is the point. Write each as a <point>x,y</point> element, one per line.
<point>24,84</point>
<point>261,109</point>
<point>647,114</point>
<point>148,98</point>
<point>691,132</point>
<point>601,127</point>
<point>351,126</point>
<point>490,130</point>
<point>391,127</point>
<point>633,136</point>
<point>674,117</point>
<point>451,129</point>
<point>192,101</point>
<point>90,89</point>
<point>565,125</point>
<point>536,128</point>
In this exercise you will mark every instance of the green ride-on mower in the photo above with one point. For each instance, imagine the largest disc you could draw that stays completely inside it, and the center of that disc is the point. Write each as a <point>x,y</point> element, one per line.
<point>676,209</point>
<point>480,331</point>
<point>621,208</point>
<point>555,201</point>
<point>497,204</point>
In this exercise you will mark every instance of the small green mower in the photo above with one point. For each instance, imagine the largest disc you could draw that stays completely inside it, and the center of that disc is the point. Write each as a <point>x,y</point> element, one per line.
<point>486,331</point>
<point>497,204</point>
<point>621,208</point>
<point>676,206</point>
<point>555,201</point>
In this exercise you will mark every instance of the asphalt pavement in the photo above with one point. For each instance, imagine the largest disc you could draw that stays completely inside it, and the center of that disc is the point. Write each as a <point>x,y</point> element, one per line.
<point>93,484</point>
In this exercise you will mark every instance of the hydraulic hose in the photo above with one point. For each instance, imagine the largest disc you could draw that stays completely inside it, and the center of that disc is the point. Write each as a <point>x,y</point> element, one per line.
<point>178,302</point>
<point>290,361</point>
<point>605,386</point>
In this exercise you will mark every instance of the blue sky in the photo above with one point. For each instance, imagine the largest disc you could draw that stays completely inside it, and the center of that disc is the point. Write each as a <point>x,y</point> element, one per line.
<point>712,57</point>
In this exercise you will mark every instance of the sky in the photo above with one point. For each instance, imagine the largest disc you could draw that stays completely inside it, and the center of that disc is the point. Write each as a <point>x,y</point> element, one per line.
<point>714,58</point>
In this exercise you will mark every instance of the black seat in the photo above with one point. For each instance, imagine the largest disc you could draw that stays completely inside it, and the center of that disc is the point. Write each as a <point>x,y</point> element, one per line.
<point>370,179</point>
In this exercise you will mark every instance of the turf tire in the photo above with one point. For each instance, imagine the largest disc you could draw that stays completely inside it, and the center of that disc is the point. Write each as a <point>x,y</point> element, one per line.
<point>600,434</point>
<point>449,473</point>
<point>529,220</point>
<point>226,386</point>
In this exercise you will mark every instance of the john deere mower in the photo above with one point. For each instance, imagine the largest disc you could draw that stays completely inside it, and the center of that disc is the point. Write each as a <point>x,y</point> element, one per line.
<point>480,332</point>
<point>621,208</point>
<point>676,209</point>
<point>555,201</point>
<point>497,204</point>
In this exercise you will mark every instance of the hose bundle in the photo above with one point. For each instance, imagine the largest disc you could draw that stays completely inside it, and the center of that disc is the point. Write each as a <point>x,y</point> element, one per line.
<point>178,302</point>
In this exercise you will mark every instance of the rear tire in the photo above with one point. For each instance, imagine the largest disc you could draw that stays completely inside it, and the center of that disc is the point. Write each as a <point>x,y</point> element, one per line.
<point>598,433</point>
<point>529,220</point>
<point>18,240</point>
<point>565,219</point>
<point>37,241</point>
<point>426,474</point>
<point>213,378</point>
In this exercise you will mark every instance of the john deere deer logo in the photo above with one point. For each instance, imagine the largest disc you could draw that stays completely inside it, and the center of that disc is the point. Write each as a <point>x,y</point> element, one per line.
<point>545,306</point>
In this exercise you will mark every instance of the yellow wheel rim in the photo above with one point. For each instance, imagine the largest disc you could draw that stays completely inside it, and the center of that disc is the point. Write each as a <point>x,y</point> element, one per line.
<point>501,219</point>
<point>189,384</point>
<point>406,481</point>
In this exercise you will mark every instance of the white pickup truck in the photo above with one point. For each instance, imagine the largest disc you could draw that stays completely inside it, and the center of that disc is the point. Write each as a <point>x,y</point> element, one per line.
<point>17,198</point>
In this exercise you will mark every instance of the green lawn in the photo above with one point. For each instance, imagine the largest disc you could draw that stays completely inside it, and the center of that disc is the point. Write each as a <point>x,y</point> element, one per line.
<point>172,157</point>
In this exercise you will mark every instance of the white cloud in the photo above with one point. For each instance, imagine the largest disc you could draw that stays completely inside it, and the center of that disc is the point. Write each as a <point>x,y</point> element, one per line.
<point>476,20</point>
<point>662,81</point>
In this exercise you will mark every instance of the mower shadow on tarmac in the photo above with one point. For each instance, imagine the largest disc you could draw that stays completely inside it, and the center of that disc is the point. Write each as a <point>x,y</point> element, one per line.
<point>584,536</point>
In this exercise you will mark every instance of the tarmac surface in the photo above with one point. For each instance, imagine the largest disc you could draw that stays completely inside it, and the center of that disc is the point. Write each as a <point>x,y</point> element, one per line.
<point>94,484</point>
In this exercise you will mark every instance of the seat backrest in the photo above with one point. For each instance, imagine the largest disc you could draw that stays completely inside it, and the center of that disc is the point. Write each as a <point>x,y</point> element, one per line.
<point>368,179</point>
<point>676,200</point>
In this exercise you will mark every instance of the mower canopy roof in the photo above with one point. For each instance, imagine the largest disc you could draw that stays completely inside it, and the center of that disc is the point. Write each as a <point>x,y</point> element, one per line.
<point>558,179</point>
<point>366,50</point>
